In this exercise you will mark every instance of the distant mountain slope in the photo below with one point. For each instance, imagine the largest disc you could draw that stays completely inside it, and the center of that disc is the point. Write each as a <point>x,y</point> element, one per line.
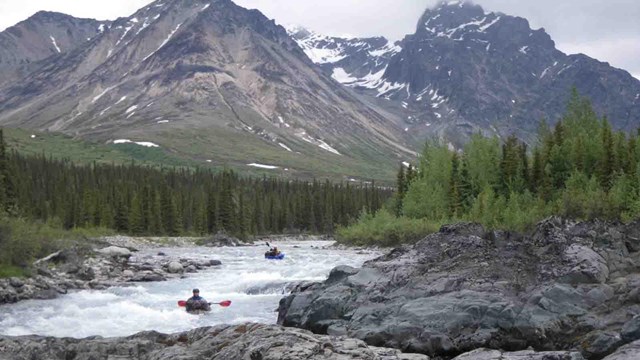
<point>212,81</point>
<point>466,70</point>
<point>43,35</point>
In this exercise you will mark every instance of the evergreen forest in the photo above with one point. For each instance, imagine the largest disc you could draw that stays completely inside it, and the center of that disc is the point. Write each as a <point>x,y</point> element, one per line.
<point>150,201</point>
<point>579,168</point>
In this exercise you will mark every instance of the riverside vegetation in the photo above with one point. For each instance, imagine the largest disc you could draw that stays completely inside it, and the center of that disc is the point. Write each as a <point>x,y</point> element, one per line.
<point>43,200</point>
<point>579,169</point>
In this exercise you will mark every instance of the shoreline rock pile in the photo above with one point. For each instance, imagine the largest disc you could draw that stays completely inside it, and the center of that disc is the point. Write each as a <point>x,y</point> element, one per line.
<point>80,268</point>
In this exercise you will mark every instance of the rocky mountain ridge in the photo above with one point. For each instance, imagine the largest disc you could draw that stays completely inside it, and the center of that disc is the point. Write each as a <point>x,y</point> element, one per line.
<point>200,78</point>
<point>41,36</point>
<point>466,70</point>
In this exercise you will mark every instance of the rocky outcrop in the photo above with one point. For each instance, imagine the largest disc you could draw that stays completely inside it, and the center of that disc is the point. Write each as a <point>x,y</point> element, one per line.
<point>485,354</point>
<point>249,341</point>
<point>567,286</point>
<point>83,268</point>
<point>627,352</point>
<point>225,342</point>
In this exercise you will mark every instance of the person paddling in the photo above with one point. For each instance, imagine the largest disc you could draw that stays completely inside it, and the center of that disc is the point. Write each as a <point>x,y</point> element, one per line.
<point>197,302</point>
<point>273,251</point>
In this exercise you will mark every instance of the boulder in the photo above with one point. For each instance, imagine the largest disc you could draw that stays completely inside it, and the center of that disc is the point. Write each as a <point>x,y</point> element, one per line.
<point>115,252</point>
<point>627,352</point>
<point>631,330</point>
<point>175,267</point>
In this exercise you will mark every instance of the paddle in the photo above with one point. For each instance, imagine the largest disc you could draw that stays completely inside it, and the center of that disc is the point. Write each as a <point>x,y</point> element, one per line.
<point>226,303</point>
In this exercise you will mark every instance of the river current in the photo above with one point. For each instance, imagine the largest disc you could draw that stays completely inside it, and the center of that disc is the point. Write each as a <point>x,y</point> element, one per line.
<point>253,284</point>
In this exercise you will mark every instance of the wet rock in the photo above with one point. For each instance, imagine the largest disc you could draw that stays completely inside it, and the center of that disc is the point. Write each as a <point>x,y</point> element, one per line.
<point>215,263</point>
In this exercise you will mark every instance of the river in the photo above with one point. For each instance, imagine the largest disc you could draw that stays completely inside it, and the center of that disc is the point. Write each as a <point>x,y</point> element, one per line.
<point>253,284</point>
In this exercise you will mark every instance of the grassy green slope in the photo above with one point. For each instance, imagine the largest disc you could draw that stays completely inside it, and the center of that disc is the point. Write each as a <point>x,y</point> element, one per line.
<point>211,149</point>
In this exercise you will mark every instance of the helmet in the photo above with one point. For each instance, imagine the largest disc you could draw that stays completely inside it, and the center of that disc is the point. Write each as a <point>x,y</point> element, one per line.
<point>196,290</point>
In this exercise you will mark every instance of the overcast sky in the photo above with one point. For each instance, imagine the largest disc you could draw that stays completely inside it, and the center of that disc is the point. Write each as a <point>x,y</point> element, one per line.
<point>608,30</point>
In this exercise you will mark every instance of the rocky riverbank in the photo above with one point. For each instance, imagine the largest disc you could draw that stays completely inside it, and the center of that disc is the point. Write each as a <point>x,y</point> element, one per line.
<point>566,287</point>
<point>225,342</point>
<point>104,263</point>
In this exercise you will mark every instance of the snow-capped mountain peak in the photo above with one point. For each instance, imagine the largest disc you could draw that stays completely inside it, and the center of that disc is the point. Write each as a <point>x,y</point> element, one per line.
<point>355,62</point>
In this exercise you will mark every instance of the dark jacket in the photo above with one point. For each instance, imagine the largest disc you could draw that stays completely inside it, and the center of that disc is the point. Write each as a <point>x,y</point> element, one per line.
<point>196,303</point>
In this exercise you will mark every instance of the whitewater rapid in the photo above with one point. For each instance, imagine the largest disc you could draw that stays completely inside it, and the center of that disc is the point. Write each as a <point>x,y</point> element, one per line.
<point>253,284</point>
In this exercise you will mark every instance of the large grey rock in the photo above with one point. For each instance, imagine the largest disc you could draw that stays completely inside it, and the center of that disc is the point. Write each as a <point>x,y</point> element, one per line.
<point>631,330</point>
<point>567,286</point>
<point>587,265</point>
<point>486,354</point>
<point>248,341</point>
<point>115,251</point>
<point>599,344</point>
<point>175,267</point>
<point>627,352</point>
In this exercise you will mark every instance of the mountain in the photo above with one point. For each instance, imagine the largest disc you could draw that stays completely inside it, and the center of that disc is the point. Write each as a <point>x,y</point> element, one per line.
<point>210,81</point>
<point>466,70</point>
<point>219,85</point>
<point>43,35</point>
<point>355,61</point>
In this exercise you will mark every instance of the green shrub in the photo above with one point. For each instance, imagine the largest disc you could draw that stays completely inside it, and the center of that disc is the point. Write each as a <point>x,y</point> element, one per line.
<point>22,242</point>
<point>7,271</point>
<point>384,229</point>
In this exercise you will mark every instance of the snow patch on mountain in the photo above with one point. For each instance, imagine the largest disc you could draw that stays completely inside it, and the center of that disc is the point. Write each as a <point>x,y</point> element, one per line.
<point>102,94</point>
<point>141,143</point>
<point>342,77</point>
<point>285,147</point>
<point>262,166</point>
<point>53,41</point>
<point>322,144</point>
<point>164,42</point>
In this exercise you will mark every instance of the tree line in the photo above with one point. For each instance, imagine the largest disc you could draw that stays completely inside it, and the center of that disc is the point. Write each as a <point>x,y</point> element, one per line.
<point>141,200</point>
<point>579,168</point>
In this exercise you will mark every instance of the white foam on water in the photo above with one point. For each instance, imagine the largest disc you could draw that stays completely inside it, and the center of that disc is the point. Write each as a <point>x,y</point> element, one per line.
<point>122,311</point>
